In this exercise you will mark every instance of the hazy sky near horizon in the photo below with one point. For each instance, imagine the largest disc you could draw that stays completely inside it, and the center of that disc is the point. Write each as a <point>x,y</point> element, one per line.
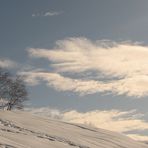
<point>81,55</point>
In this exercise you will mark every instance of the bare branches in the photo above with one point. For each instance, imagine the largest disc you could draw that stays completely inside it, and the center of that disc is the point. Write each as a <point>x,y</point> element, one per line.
<point>12,91</point>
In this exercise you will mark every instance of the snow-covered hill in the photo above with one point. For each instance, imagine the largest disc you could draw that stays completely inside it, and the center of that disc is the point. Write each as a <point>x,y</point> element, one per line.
<point>23,130</point>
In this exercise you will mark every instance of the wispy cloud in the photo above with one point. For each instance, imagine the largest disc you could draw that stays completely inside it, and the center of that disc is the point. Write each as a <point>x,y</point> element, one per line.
<point>138,137</point>
<point>115,120</point>
<point>62,83</point>
<point>52,13</point>
<point>6,63</point>
<point>121,66</point>
<point>82,87</point>
<point>46,14</point>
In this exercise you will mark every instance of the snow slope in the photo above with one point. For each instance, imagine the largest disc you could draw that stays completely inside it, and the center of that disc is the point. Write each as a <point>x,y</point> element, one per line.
<point>23,130</point>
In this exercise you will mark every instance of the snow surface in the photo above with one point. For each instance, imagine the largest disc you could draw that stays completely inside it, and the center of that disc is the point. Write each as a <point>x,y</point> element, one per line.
<point>23,130</point>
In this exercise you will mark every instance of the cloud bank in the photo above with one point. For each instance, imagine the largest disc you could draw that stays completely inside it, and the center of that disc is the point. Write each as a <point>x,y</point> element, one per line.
<point>119,68</point>
<point>115,120</point>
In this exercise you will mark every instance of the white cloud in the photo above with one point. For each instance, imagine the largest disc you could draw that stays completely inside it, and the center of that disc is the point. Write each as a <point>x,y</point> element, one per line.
<point>111,120</point>
<point>51,13</point>
<point>138,137</point>
<point>46,14</point>
<point>82,87</point>
<point>80,54</point>
<point>122,65</point>
<point>62,83</point>
<point>6,63</point>
<point>114,120</point>
<point>45,112</point>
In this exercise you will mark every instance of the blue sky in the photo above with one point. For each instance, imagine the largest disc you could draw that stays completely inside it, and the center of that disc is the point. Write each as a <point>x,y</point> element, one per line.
<point>79,55</point>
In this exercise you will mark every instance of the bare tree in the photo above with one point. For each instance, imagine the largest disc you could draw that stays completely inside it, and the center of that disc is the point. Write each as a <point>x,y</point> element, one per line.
<point>13,91</point>
<point>4,80</point>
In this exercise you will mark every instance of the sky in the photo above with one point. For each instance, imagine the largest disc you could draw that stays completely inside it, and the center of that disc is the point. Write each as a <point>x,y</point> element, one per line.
<point>83,61</point>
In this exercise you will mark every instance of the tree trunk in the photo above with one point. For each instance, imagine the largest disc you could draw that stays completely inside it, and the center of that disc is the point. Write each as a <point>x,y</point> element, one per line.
<point>9,106</point>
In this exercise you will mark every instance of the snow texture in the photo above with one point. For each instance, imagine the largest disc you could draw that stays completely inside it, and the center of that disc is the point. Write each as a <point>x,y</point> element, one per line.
<point>23,130</point>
